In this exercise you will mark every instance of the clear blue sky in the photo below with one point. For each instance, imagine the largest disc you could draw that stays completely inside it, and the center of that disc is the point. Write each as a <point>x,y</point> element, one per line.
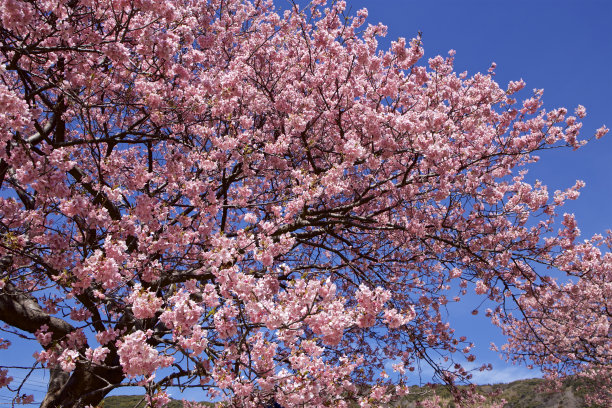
<point>562,46</point>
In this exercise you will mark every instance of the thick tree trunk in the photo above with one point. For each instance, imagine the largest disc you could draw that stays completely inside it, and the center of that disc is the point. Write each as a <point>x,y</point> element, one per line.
<point>87,384</point>
<point>21,310</point>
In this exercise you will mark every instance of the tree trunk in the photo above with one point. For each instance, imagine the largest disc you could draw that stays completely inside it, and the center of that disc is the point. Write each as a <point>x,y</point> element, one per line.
<point>87,384</point>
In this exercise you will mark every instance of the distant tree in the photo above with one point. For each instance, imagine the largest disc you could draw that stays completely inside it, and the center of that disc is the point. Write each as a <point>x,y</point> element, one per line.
<point>209,194</point>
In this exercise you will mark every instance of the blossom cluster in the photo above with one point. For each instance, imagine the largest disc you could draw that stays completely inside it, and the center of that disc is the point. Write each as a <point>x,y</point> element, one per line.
<point>270,207</point>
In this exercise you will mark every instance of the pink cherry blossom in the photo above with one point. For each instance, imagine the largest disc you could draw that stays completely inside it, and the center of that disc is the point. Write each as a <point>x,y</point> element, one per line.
<point>43,335</point>
<point>144,302</point>
<point>137,357</point>
<point>270,206</point>
<point>4,378</point>
<point>68,360</point>
<point>97,355</point>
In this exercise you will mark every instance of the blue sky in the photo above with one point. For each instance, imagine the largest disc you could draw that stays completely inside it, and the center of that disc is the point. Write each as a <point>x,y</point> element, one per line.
<point>562,46</point>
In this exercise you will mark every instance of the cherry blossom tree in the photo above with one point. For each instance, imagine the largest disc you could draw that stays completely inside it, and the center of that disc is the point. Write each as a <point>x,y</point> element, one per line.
<point>212,194</point>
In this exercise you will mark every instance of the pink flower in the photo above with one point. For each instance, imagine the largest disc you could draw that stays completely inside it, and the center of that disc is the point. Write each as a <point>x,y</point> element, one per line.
<point>24,399</point>
<point>481,288</point>
<point>370,303</point>
<point>97,355</point>
<point>68,360</point>
<point>515,86</point>
<point>43,336</point>
<point>107,335</point>
<point>224,321</point>
<point>196,340</point>
<point>160,399</point>
<point>145,303</point>
<point>137,357</point>
<point>80,314</point>
<point>184,314</point>
<point>580,111</point>
<point>601,132</point>
<point>4,378</point>
<point>394,319</point>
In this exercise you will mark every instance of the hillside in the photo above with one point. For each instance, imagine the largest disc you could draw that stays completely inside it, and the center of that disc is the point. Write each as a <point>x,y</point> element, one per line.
<point>518,394</point>
<point>135,401</point>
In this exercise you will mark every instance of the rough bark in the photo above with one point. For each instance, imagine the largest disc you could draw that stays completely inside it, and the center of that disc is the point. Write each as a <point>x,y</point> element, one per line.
<point>87,384</point>
<point>21,310</point>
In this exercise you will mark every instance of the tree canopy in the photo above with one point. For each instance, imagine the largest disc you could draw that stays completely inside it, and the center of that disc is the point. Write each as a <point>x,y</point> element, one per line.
<point>211,194</point>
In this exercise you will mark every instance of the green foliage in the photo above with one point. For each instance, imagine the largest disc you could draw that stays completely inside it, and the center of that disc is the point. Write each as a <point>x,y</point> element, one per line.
<point>133,401</point>
<point>518,394</point>
<point>530,393</point>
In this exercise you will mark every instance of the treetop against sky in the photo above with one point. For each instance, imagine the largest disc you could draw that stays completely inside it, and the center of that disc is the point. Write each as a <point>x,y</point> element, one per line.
<point>253,204</point>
